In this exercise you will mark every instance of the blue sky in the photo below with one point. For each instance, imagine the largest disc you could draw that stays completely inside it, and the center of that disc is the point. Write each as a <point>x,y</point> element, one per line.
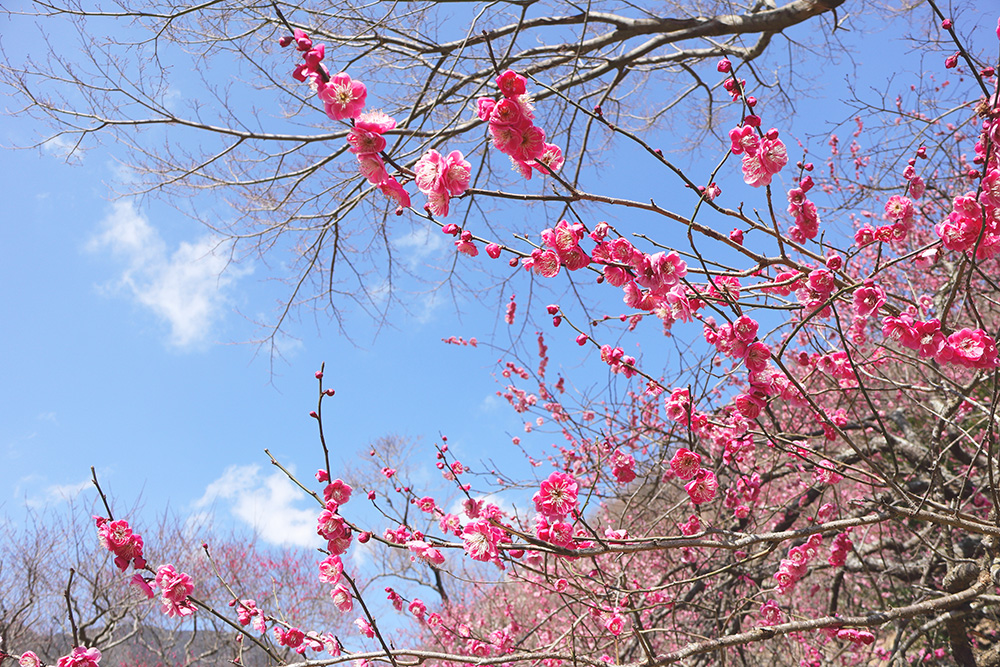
<point>125,346</point>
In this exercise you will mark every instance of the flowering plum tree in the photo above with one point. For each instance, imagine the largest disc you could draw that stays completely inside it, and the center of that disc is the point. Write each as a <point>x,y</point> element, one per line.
<point>813,482</point>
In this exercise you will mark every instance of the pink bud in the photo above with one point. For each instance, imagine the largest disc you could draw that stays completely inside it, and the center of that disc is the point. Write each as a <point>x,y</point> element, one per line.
<point>556,321</point>
<point>514,261</point>
<point>312,413</point>
<point>724,66</point>
<point>319,375</point>
<point>553,309</point>
<point>951,62</point>
<point>285,41</point>
<point>451,228</point>
<point>581,339</point>
<point>493,250</point>
<point>330,392</point>
<point>947,24</point>
<point>364,537</point>
<point>736,236</point>
<point>751,101</point>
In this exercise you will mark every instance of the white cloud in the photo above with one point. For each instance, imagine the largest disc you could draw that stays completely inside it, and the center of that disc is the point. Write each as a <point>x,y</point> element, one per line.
<point>186,288</point>
<point>63,147</point>
<point>268,504</point>
<point>420,244</point>
<point>53,494</point>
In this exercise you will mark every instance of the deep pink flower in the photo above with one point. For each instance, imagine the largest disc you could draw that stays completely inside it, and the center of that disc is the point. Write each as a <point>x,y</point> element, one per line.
<point>558,496</point>
<point>342,97</point>
<point>394,191</point>
<point>530,144</point>
<point>342,598</point>
<point>364,627</point>
<point>480,540</point>
<point>373,168</point>
<point>246,610</point>
<point>118,538</point>
<point>378,122</point>
<point>685,463</point>
<point>971,348</point>
<point>142,584</point>
<point>544,262</point>
<point>551,157</point>
<point>330,569</point>
<point>365,141</point>
<point>770,613</point>
<point>868,299</point>
<point>512,84</point>
<point>702,488</point>
<point>758,356</point>
<point>615,623</point>
<point>337,491</point>
<point>454,175</point>
<point>484,108</point>
<point>439,203</point>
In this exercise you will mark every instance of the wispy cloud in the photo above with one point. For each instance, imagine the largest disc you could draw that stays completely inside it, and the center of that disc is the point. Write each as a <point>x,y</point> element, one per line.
<point>267,503</point>
<point>187,287</point>
<point>53,494</point>
<point>420,244</point>
<point>63,147</point>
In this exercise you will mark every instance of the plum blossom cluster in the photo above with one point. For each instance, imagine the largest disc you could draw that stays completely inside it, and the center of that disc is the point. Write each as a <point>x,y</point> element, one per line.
<point>763,155</point>
<point>793,567</point>
<point>367,142</point>
<point>970,348</point>
<point>899,212</point>
<point>441,178</point>
<point>841,546</point>
<point>512,127</point>
<point>651,282</point>
<point>686,465</point>
<point>344,99</point>
<point>118,538</point>
<point>973,226</point>
<point>561,247</point>
<point>557,503</point>
<point>738,340</point>
<point>175,587</point>
<point>803,211</point>
<point>330,525</point>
